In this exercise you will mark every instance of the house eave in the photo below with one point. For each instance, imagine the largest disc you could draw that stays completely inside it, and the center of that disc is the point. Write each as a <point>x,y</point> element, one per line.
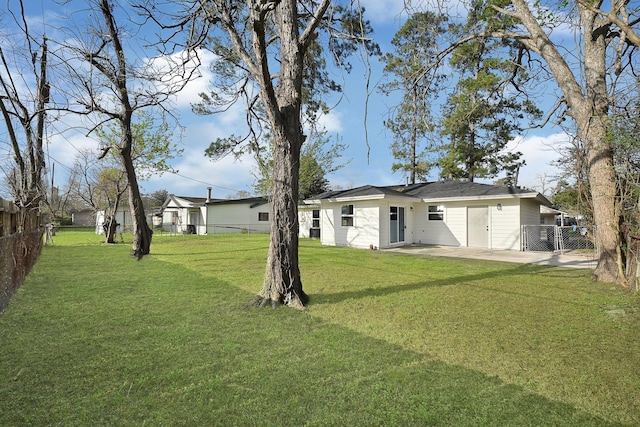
<point>365,198</point>
<point>543,200</point>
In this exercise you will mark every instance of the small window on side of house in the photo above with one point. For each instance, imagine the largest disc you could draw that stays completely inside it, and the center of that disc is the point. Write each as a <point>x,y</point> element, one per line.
<point>263,216</point>
<point>436,213</point>
<point>315,223</point>
<point>347,216</point>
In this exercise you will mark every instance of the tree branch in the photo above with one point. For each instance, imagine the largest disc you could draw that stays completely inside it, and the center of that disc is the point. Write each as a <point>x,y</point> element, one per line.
<point>630,34</point>
<point>309,33</point>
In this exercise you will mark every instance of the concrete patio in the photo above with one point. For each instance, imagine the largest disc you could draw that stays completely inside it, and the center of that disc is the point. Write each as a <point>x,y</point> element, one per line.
<point>572,259</point>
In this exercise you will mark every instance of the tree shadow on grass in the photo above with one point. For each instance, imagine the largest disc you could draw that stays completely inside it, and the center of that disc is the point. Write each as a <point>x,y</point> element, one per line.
<point>458,280</point>
<point>173,360</point>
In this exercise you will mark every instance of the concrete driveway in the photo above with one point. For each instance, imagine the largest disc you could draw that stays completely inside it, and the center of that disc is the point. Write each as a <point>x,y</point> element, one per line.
<point>567,259</point>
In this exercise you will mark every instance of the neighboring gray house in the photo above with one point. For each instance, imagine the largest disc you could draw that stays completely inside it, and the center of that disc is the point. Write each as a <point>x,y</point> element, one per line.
<point>83,217</point>
<point>450,213</point>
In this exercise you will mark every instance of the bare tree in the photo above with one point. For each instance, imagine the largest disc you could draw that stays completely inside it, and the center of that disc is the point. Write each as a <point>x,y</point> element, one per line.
<point>27,112</point>
<point>117,84</point>
<point>100,185</point>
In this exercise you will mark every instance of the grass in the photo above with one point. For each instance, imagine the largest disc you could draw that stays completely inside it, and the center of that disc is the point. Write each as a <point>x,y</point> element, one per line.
<point>95,337</point>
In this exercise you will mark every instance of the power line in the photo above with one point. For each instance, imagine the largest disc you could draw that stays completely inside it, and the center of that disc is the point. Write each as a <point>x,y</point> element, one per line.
<point>203,182</point>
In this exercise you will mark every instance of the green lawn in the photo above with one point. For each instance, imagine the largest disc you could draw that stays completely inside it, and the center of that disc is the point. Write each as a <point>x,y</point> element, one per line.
<point>95,337</point>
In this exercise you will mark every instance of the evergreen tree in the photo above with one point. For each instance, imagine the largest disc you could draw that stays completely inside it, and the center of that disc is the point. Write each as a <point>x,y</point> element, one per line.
<point>411,121</point>
<point>485,112</point>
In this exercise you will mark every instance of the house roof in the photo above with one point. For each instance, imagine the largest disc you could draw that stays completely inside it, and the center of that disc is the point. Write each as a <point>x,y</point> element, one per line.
<point>251,201</point>
<point>366,192</point>
<point>432,191</point>
<point>551,211</point>
<point>185,201</point>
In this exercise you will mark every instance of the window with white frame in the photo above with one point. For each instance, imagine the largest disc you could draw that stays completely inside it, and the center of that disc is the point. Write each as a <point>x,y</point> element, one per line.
<point>315,221</point>
<point>436,212</point>
<point>347,216</point>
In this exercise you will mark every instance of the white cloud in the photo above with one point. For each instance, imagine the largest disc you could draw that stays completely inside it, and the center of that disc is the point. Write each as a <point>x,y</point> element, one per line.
<point>331,122</point>
<point>538,152</point>
<point>196,172</point>
<point>384,11</point>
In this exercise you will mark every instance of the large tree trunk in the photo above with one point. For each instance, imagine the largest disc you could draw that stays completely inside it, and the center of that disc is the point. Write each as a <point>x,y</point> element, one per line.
<point>282,282</point>
<point>588,105</point>
<point>593,125</point>
<point>142,233</point>
<point>603,198</point>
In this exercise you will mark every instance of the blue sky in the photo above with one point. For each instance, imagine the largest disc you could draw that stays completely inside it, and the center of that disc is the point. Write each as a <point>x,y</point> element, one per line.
<point>369,164</point>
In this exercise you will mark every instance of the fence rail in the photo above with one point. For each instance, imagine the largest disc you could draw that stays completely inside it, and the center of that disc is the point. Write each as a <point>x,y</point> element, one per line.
<point>554,238</point>
<point>212,229</point>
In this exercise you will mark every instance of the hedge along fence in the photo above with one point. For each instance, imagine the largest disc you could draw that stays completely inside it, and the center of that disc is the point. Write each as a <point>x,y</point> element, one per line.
<point>19,251</point>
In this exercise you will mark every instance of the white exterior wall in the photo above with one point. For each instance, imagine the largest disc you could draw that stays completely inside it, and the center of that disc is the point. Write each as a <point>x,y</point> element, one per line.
<point>167,220</point>
<point>305,221</point>
<point>530,213</point>
<point>371,223</point>
<point>186,216</point>
<point>201,225</point>
<point>547,219</point>
<point>452,231</point>
<point>123,218</point>
<point>237,218</point>
<point>366,224</point>
<point>327,223</point>
<point>504,224</point>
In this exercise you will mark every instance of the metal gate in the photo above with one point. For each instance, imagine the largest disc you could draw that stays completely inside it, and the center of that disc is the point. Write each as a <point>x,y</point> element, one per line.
<point>552,238</point>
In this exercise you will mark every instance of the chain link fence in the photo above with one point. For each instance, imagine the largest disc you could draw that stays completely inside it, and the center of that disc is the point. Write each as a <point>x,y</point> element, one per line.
<point>213,229</point>
<point>553,238</point>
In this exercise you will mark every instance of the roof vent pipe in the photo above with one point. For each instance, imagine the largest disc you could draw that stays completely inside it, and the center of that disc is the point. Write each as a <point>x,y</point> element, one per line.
<point>208,194</point>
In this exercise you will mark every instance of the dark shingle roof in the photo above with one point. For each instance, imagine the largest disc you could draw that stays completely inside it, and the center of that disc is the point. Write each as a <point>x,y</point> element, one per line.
<point>366,190</point>
<point>252,201</point>
<point>434,190</point>
<point>449,189</point>
<point>195,200</point>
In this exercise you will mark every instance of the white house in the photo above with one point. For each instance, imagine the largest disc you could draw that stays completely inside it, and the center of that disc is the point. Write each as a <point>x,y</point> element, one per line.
<point>309,219</point>
<point>199,215</point>
<point>249,215</point>
<point>450,213</point>
<point>181,214</point>
<point>123,218</point>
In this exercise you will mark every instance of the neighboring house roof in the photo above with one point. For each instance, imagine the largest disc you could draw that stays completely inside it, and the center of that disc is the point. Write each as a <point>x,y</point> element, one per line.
<point>551,211</point>
<point>253,202</point>
<point>185,201</point>
<point>432,191</point>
